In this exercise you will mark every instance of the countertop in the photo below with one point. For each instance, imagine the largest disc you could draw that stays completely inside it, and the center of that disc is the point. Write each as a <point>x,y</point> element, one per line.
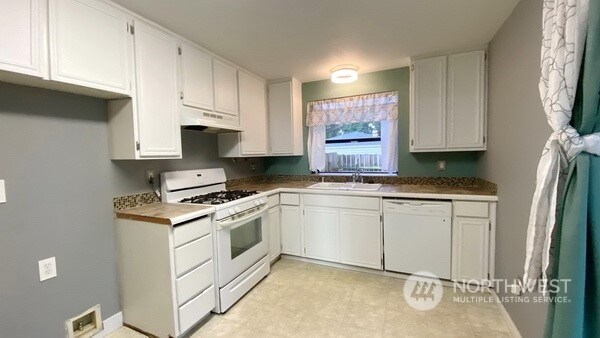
<point>387,190</point>
<point>165,213</point>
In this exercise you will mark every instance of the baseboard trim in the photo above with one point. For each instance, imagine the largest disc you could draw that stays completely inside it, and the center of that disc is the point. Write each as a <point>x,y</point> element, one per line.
<point>398,275</point>
<point>111,324</point>
<point>507,319</point>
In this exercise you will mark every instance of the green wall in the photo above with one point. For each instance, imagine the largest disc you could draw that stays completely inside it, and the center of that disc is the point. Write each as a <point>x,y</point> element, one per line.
<point>422,164</point>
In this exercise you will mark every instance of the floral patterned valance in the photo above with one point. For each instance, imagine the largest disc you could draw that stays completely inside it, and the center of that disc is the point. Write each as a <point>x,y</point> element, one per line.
<point>360,108</point>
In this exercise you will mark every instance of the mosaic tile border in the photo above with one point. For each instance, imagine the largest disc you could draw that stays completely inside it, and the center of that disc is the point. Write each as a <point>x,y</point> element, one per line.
<point>394,180</point>
<point>132,201</point>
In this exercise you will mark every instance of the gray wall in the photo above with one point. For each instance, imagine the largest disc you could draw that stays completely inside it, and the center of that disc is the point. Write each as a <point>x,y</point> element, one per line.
<point>517,132</point>
<point>60,184</point>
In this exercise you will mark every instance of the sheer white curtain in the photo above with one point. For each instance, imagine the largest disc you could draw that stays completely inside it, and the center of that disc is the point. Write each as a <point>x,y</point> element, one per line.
<point>389,145</point>
<point>375,107</point>
<point>317,159</point>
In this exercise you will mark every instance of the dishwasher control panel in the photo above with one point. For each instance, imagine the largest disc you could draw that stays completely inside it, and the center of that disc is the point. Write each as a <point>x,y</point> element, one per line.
<point>418,207</point>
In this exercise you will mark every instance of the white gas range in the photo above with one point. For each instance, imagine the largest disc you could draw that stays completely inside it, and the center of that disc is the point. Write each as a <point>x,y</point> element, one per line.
<point>241,225</point>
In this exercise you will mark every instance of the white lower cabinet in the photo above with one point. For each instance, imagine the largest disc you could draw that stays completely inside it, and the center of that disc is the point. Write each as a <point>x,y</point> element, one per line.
<point>291,230</point>
<point>360,238</point>
<point>166,274</point>
<point>322,233</point>
<point>274,232</point>
<point>472,248</point>
<point>470,238</point>
<point>343,229</point>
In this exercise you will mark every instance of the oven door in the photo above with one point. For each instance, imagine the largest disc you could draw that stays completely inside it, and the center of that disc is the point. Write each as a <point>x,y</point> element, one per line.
<point>242,241</point>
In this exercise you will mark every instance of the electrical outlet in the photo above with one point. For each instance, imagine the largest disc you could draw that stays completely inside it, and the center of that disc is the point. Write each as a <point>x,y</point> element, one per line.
<point>47,268</point>
<point>441,165</point>
<point>2,192</point>
<point>150,176</point>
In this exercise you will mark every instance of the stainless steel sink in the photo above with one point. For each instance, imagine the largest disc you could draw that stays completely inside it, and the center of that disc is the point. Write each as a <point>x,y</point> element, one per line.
<point>346,186</point>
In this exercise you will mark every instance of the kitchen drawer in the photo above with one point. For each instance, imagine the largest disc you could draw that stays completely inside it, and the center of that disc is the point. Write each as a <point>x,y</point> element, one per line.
<point>273,200</point>
<point>191,230</point>
<point>348,202</point>
<point>194,282</point>
<point>196,309</point>
<point>290,199</point>
<point>471,209</point>
<point>193,254</point>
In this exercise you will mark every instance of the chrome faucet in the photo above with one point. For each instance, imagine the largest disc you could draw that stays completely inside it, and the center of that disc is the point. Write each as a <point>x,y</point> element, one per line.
<point>357,174</point>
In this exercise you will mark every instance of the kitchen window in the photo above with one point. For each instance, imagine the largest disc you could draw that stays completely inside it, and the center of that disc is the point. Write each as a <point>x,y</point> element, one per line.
<point>357,132</point>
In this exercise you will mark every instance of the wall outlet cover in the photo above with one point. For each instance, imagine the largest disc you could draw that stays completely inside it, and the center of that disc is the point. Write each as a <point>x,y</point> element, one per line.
<point>47,268</point>
<point>150,176</point>
<point>2,192</point>
<point>441,165</point>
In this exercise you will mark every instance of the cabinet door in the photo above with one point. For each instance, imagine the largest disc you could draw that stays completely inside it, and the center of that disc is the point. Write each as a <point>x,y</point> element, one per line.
<point>470,246</point>
<point>226,88</point>
<point>281,119</point>
<point>156,85</point>
<point>466,100</point>
<point>291,230</point>
<point>322,233</point>
<point>360,238</point>
<point>274,232</point>
<point>90,45</point>
<point>20,36</point>
<point>196,74</point>
<point>253,115</point>
<point>428,105</point>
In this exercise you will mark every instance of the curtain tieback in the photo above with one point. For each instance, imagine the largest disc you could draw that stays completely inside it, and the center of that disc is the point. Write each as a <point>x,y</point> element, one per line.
<point>574,144</point>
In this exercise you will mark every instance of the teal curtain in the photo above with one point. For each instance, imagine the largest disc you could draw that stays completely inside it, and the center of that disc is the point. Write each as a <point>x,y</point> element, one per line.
<point>577,245</point>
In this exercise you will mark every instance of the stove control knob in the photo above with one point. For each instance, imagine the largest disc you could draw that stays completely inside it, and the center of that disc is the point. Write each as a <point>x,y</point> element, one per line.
<point>231,211</point>
<point>237,209</point>
<point>261,201</point>
<point>257,202</point>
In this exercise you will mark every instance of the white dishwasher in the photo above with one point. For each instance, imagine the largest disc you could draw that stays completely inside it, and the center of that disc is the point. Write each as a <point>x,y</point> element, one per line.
<point>417,236</point>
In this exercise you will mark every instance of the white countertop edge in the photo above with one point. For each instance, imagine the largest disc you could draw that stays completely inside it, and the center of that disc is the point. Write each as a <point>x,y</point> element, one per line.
<point>457,197</point>
<point>192,215</point>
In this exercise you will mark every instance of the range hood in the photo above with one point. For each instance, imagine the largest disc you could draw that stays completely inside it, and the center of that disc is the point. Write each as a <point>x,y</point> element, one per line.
<point>209,122</point>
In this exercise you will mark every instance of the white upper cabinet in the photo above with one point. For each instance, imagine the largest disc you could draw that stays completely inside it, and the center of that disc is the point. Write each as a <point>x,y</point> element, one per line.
<point>466,101</point>
<point>156,82</point>
<point>447,109</point>
<point>225,88</point>
<point>196,76</point>
<point>253,120</point>
<point>285,118</point>
<point>428,103</point>
<point>90,45</point>
<point>21,36</point>
<point>147,125</point>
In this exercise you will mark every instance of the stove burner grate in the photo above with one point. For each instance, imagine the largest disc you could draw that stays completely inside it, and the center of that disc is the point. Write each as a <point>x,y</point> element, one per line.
<point>219,197</point>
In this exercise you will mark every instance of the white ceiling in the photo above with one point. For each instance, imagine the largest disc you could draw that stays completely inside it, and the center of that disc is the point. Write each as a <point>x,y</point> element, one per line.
<point>307,38</point>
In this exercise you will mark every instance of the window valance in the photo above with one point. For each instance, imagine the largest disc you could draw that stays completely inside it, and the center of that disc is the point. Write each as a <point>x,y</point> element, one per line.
<point>360,108</point>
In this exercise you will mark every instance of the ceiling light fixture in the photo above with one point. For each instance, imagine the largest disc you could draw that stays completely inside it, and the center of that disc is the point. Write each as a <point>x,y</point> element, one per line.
<point>344,74</point>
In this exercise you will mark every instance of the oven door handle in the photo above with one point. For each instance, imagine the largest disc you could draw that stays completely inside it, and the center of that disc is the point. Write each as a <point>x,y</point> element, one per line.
<point>240,221</point>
